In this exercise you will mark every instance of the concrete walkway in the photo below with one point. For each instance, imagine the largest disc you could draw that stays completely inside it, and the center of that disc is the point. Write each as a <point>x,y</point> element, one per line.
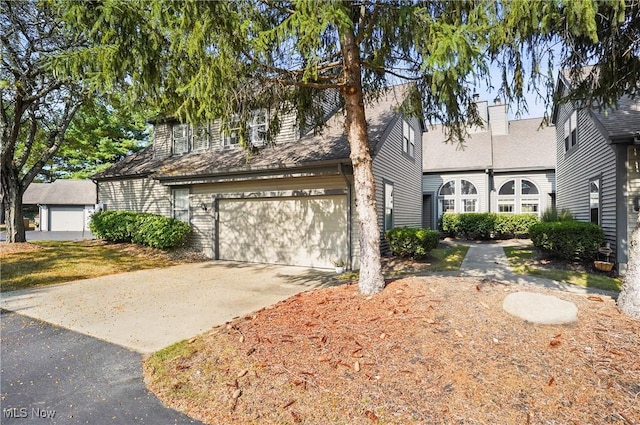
<point>487,259</point>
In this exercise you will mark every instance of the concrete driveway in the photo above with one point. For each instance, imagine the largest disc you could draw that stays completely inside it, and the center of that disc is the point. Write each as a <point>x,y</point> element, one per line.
<point>150,309</point>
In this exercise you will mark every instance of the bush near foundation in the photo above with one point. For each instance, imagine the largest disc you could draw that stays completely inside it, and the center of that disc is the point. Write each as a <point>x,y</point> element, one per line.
<point>412,242</point>
<point>141,228</point>
<point>487,225</point>
<point>568,240</point>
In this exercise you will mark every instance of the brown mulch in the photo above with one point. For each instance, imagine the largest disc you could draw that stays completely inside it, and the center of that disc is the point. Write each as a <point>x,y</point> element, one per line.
<point>425,350</point>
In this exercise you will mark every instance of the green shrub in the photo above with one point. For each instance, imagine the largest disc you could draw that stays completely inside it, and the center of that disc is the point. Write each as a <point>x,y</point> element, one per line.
<point>568,240</point>
<point>552,215</point>
<point>487,225</point>
<point>513,225</point>
<point>412,242</point>
<point>141,228</point>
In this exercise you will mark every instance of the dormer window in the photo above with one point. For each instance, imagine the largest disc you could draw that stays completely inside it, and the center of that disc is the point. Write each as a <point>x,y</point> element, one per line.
<point>200,138</point>
<point>408,139</point>
<point>232,136</point>
<point>256,129</point>
<point>180,136</point>
<point>571,131</point>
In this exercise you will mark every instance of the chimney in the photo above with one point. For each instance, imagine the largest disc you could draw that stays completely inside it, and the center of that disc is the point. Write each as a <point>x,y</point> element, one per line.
<point>498,118</point>
<point>482,112</point>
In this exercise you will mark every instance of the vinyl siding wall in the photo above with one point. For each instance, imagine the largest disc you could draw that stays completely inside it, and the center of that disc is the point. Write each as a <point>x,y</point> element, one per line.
<point>432,183</point>
<point>592,157</point>
<point>392,165</point>
<point>545,181</point>
<point>137,194</point>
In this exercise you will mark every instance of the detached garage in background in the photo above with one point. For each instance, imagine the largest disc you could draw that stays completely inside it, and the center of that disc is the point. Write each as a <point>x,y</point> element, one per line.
<point>64,205</point>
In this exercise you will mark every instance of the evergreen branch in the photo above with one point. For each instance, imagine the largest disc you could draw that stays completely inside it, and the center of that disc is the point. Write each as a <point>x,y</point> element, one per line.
<point>376,68</point>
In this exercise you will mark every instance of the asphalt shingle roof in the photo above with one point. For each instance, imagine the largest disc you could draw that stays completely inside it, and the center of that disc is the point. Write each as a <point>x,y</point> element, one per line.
<point>61,192</point>
<point>527,146</point>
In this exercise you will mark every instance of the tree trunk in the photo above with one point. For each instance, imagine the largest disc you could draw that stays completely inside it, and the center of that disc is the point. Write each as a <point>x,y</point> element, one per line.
<point>371,279</point>
<point>13,207</point>
<point>629,298</point>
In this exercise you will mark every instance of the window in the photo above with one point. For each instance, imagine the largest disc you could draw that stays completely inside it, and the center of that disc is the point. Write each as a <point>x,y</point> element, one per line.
<point>180,135</point>
<point>594,201</point>
<point>200,138</point>
<point>388,206</point>
<point>232,136</point>
<point>570,131</point>
<point>408,139</point>
<point>180,204</point>
<point>519,196</point>
<point>462,197</point>
<point>258,127</point>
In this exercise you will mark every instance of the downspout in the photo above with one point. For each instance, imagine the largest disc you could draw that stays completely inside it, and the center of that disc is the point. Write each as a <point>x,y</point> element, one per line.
<point>349,218</point>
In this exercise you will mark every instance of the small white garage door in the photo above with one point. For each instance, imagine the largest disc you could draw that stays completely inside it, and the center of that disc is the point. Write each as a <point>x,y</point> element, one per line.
<point>309,232</point>
<point>66,219</point>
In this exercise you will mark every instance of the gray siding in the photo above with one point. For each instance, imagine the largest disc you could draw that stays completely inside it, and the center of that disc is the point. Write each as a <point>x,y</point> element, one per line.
<point>592,157</point>
<point>392,165</point>
<point>137,194</point>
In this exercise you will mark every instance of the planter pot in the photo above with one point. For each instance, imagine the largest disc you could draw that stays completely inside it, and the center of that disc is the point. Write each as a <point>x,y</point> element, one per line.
<point>339,270</point>
<point>604,266</point>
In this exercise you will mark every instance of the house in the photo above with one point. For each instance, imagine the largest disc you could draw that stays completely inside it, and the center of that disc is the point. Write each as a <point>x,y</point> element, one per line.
<point>598,170</point>
<point>289,203</point>
<point>64,205</point>
<point>506,166</point>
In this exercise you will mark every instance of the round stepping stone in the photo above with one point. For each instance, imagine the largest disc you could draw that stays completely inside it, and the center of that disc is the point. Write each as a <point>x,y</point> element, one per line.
<point>541,309</point>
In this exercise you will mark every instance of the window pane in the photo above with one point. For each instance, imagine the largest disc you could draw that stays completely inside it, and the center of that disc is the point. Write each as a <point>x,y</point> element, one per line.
<point>201,138</point>
<point>505,207</point>
<point>529,207</point>
<point>528,188</point>
<point>388,206</point>
<point>448,205</point>
<point>470,205</point>
<point>180,138</point>
<point>258,127</point>
<point>181,204</point>
<point>467,188</point>
<point>594,201</point>
<point>509,188</point>
<point>449,188</point>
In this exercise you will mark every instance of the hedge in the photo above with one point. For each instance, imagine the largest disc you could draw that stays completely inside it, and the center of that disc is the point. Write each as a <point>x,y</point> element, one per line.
<point>568,240</point>
<point>412,242</point>
<point>141,228</point>
<point>487,225</point>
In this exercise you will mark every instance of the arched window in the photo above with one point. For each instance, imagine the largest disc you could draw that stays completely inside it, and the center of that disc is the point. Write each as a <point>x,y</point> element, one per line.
<point>519,196</point>
<point>459,195</point>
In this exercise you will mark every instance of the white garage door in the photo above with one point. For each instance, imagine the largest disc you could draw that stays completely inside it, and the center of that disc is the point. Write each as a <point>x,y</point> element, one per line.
<point>66,219</point>
<point>308,232</point>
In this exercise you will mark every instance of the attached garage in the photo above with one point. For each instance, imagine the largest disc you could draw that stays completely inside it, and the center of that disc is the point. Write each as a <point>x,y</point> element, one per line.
<point>302,231</point>
<point>66,218</point>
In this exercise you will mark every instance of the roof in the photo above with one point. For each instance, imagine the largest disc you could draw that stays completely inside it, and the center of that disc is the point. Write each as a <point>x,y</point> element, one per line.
<point>329,145</point>
<point>61,192</point>
<point>528,146</point>
<point>620,122</point>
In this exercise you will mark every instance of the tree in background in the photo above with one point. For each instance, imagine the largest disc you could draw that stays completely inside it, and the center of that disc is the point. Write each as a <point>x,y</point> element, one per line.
<point>99,135</point>
<point>37,103</point>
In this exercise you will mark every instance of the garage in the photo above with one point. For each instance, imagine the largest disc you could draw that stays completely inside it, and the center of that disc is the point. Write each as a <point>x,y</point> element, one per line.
<point>66,218</point>
<point>309,231</point>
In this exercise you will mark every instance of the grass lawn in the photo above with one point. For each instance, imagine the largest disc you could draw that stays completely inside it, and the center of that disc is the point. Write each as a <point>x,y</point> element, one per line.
<point>57,262</point>
<point>524,260</point>
<point>445,259</point>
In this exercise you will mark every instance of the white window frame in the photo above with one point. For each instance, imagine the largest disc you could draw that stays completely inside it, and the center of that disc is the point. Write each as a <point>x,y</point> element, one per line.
<point>258,127</point>
<point>595,199</point>
<point>518,201</point>
<point>408,139</point>
<point>180,134</point>
<point>231,137</point>
<point>201,138</point>
<point>459,200</point>
<point>571,131</point>
<point>180,204</point>
<point>388,205</point>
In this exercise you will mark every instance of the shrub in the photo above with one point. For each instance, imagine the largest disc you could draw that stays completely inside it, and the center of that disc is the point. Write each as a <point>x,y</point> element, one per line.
<point>552,215</point>
<point>568,240</point>
<point>142,228</point>
<point>487,225</point>
<point>412,242</point>
<point>514,225</point>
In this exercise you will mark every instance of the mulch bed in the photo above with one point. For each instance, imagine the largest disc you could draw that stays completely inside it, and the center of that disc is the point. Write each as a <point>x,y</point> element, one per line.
<point>427,350</point>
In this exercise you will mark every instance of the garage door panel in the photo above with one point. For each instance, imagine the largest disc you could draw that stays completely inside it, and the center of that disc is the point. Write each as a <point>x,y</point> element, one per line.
<point>66,219</point>
<point>297,231</point>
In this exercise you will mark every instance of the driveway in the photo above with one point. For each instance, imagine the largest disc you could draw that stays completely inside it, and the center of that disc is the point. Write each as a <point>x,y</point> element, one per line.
<point>150,309</point>
<point>50,375</point>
